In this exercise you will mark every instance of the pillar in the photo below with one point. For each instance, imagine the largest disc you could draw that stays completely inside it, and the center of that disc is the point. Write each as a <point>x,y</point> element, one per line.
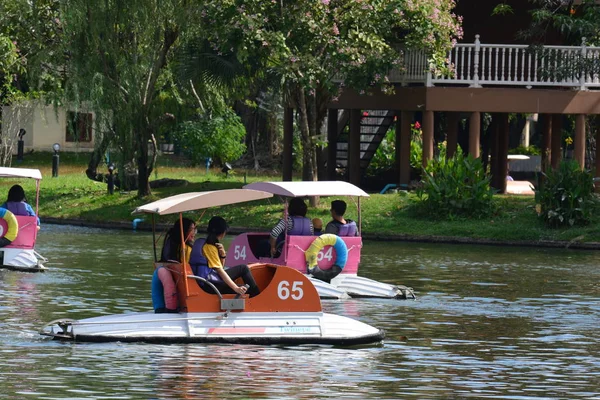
<point>556,142</point>
<point>332,135</point>
<point>451,134</point>
<point>474,133</point>
<point>580,140</point>
<point>288,140</point>
<point>427,137</point>
<point>503,132</point>
<point>403,138</point>
<point>546,140</point>
<point>494,164</point>
<point>354,147</point>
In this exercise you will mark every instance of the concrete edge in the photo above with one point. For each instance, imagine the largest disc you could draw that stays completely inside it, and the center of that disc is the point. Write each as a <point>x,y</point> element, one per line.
<point>146,226</point>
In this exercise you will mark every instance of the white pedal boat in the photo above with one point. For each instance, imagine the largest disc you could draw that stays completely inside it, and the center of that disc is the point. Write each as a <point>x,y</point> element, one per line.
<point>20,254</point>
<point>287,311</point>
<point>347,283</point>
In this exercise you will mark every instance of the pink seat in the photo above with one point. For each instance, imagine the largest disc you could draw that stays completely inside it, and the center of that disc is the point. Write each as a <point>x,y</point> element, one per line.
<point>27,233</point>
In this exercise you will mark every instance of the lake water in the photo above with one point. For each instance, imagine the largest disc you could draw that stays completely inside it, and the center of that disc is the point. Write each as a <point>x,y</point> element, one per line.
<point>489,322</point>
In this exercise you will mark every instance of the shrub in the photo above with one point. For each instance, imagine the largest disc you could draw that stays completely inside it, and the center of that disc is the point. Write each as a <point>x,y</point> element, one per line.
<point>458,187</point>
<point>220,137</point>
<point>565,196</point>
<point>528,151</point>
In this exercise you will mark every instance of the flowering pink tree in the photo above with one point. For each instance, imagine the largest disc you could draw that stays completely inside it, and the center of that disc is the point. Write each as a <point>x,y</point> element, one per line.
<point>315,48</point>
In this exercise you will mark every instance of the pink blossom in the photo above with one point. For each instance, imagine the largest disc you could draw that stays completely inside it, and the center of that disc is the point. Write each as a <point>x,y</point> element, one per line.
<point>325,2</point>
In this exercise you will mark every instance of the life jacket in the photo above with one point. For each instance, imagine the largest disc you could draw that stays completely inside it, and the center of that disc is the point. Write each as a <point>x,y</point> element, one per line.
<point>199,264</point>
<point>347,229</point>
<point>16,207</point>
<point>300,227</point>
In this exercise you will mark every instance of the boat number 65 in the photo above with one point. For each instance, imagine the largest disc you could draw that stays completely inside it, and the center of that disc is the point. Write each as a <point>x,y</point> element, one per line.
<point>284,291</point>
<point>239,252</point>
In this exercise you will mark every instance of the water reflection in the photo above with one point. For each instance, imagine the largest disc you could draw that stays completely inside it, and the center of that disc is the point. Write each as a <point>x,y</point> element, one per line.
<point>489,322</point>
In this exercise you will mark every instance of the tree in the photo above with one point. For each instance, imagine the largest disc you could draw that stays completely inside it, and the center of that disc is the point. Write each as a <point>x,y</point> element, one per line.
<point>311,46</point>
<point>29,32</point>
<point>116,58</point>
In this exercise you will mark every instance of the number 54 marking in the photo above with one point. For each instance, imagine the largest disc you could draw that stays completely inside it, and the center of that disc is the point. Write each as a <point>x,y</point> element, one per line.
<point>284,292</point>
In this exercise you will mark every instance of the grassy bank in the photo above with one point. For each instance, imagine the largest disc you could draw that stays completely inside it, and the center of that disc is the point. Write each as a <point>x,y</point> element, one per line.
<point>72,196</point>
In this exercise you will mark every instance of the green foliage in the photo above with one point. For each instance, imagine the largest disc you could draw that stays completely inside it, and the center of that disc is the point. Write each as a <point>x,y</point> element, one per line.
<point>566,196</point>
<point>458,187</point>
<point>502,9</point>
<point>528,151</point>
<point>220,137</point>
<point>385,156</point>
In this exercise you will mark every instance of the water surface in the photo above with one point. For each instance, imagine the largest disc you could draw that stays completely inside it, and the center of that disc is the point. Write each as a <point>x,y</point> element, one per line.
<point>489,322</point>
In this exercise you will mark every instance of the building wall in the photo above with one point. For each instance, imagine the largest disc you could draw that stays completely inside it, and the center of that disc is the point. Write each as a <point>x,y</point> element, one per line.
<point>45,125</point>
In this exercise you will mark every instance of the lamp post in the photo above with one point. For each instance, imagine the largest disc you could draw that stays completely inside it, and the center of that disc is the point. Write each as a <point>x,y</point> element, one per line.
<point>20,145</point>
<point>111,178</point>
<point>55,159</point>
<point>226,168</point>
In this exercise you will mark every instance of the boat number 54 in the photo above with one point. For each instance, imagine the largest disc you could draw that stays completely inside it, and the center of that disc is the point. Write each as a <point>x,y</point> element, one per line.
<point>284,292</point>
<point>239,252</point>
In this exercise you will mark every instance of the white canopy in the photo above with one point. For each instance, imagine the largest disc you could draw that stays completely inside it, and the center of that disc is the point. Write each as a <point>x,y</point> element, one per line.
<point>200,200</point>
<point>309,188</point>
<point>6,172</point>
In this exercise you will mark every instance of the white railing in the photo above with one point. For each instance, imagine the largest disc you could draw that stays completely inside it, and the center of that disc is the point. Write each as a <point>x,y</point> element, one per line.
<point>477,64</point>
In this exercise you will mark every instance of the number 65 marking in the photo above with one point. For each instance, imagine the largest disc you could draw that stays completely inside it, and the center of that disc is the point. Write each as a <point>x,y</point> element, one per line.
<point>284,292</point>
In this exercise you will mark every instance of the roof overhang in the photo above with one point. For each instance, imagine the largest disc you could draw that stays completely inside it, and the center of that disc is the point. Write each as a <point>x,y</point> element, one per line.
<point>6,172</point>
<point>309,188</point>
<point>199,200</point>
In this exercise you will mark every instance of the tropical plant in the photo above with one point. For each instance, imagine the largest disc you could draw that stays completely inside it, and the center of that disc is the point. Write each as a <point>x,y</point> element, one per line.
<point>458,187</point>
<point>526,150</point>
<point>566,196</point>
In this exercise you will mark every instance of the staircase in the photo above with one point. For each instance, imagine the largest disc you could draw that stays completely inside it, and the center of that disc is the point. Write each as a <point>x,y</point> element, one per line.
<point>373,126</point>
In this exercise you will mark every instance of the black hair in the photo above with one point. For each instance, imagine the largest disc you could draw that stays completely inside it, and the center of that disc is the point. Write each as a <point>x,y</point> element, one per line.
<point>16,194</point>
<point>216,227</point>
<point>339,207</point>
<point>297,207</point>
<point>172,245</point>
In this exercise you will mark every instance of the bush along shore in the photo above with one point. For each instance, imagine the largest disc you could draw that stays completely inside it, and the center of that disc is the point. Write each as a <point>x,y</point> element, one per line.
<point>71,198</point>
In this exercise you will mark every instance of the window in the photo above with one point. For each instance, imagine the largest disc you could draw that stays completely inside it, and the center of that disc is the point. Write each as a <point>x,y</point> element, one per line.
<point>79,127</point>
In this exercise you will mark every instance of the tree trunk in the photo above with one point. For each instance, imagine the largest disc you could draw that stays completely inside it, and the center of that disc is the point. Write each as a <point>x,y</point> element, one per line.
<point>307,146</point>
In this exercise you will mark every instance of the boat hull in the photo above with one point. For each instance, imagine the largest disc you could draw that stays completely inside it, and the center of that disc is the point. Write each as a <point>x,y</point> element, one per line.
<point>24,260</point>
<point>244,328</point>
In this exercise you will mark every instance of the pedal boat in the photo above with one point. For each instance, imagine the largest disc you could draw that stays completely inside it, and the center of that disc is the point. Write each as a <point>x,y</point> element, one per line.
<point>293,254</point>
<point>287,311</point>
<point>20,254</point>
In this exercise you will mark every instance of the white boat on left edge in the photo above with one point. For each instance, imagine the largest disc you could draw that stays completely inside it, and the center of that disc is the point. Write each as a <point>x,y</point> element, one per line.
<point>20,254</point>
<point>287,310</point>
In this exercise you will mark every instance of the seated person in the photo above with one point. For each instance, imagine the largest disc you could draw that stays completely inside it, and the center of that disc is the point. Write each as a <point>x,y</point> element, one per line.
<point>338,225</point>
<point>317,226</point>
<point>16,203</point>
<point>207,260</point>
<point>297,224</point>
<point>171,250</point>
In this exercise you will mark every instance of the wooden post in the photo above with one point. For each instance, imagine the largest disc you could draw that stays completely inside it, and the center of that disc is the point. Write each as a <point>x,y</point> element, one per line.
<point>403,147</point>
<point>546,140</point>
<point>452,134</point>
<point>503,132</point>
<point>494,156</point>
<point>354,147</point>
<point>427,137</point>
<point>288,140</point>
<point>556,143</point>
<point>580,140</point>
<point>597,172</point>
<point>332,135</point>
<point>474,133</point>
